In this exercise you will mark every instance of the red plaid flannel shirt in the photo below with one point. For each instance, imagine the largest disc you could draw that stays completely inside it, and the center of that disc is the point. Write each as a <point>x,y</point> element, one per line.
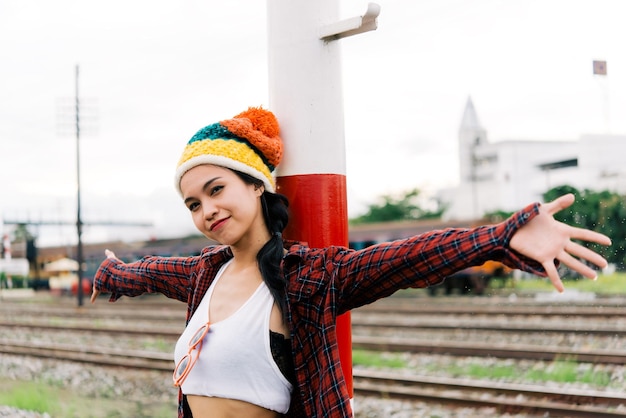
<point>322,284</point>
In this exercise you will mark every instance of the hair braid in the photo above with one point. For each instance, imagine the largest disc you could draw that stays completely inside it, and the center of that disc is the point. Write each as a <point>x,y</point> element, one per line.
<point>271,254</point>
<point>276,215</point>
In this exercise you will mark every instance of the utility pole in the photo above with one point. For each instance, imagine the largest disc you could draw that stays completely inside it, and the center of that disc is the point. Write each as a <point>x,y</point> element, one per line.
<point>79,222</point>
<point>76,123</point>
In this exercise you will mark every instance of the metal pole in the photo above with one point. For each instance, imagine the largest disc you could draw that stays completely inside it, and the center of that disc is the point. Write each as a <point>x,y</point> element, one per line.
<point>306,95</point>
<point>79,223</point>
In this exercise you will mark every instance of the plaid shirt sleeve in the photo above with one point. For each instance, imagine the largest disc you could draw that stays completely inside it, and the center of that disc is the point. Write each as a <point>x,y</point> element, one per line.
<point>427,259</point>
<point>326,282</point>
<point>170,276</point>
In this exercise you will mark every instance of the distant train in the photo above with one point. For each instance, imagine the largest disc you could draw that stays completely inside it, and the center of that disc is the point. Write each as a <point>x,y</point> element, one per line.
<point>473,281</point>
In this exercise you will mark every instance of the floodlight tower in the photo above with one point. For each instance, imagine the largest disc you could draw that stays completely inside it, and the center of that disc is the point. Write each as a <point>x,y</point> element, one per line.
<point>305,92</point>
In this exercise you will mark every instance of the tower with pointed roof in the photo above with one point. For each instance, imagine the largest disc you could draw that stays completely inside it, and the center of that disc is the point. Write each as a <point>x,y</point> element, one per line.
<point>471,136</point>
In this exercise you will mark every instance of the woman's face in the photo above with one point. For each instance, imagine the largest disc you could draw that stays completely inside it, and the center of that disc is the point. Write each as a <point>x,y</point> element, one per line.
<point>223,207</point>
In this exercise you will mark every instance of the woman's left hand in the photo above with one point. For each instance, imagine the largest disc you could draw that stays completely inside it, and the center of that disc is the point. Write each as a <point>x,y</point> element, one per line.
<point>96,292</point>
<point>546,240</point>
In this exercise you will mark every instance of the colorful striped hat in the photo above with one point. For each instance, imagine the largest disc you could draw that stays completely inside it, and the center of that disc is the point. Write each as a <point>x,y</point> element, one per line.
<point>248,143</point>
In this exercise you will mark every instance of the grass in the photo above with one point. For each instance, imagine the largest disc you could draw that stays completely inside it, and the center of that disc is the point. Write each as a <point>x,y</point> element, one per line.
<point>607,284</point>
<point>30,396</point>
<point>559,371</point>
<point>64,403</point>
<point>567,372</point>
<point>610,284</point>
<point>158,344</point>
<point>377,359</point>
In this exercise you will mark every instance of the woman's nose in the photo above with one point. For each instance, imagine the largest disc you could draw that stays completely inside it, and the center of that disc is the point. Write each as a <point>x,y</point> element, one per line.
<point>209,210</point>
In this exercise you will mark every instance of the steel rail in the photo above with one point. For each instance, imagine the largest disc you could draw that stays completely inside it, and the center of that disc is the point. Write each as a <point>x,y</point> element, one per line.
<point>106,356</point>
<point>156,331</point>
<point>401,344</point>
<point>358,321</point>
<point>389,322</point>
<point>163,314</point>
<point>416,307</point>
<point>412,322</point>
<point>504,397</point>
<point>474,349</point>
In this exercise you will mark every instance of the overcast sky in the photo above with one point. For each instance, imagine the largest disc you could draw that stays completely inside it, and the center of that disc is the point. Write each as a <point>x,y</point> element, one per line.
<point>153,72</point>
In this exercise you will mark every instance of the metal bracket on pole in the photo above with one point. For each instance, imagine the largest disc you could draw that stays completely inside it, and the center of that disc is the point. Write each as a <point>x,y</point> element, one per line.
<point>352,26</point>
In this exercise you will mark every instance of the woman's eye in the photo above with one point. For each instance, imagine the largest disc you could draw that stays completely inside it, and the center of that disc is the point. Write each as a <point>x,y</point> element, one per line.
<point>216,189</point>
<point>193,206</point>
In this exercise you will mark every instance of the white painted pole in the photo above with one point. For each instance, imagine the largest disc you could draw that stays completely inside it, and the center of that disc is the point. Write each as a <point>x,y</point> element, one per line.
<point>306,94</point>
<point>305,89</point>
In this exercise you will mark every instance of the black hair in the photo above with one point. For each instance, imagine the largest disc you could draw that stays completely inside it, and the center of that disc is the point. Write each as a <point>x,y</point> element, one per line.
<point>276,215</point>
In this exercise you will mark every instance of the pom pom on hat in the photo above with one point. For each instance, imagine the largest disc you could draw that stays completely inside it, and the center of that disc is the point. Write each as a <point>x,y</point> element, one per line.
<point>249,143</point>
<point>260,128</point>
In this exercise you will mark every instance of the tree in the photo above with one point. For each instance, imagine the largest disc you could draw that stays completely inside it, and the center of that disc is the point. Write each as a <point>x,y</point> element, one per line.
<point>406,207</point>
<point>602,211</point>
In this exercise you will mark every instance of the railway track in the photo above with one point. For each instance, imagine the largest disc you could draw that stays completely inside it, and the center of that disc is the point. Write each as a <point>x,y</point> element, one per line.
<point>413,307</point>
<point>164,321</point>
<point>586,320</point>
<point>164,309</point>
<point>358,320</point>
<point>391,344</point>
<point>509,398</point>
<point>505,398</point>
<point>474,349</point>
<point>101,356</point>
<point>415,322</point>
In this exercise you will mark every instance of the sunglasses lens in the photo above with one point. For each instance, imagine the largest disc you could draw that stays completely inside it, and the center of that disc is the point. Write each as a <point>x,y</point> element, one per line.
<point>182,365</point>
<point>198,336</point>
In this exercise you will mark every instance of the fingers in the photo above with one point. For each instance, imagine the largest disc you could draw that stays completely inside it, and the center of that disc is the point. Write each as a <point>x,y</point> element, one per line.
<point>587,235</point>
<point>568,258</point>
<point>553,275</point>
<point>94,295</point>
<point>564,202</point>
<point>95,292</point>
<point>559,204</point>
<point>584,253</point>
<point>577,266</point>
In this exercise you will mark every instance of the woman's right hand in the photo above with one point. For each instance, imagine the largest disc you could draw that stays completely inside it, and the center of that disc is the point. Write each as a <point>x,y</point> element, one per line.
<point>96,292</point>
<point>547,240</point>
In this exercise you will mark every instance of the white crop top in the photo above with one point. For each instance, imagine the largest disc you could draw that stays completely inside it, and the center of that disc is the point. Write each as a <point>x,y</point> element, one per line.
<point>235,361</point>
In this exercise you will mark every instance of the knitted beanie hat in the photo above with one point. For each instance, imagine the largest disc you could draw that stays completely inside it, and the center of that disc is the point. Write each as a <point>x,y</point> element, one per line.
<point>248,143</point>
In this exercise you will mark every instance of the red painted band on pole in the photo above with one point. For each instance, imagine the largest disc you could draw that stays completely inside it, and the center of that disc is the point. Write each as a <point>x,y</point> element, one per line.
<point>319,217</point>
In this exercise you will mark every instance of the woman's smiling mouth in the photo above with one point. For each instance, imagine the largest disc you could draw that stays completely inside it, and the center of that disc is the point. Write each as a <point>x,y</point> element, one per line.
<point>217,224</point>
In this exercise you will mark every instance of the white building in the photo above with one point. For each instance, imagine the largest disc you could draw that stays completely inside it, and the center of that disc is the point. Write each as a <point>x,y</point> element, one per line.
<point>508,175</point>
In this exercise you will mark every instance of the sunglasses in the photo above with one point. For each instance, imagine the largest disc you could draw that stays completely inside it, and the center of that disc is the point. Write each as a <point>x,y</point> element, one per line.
<point>185,364</point>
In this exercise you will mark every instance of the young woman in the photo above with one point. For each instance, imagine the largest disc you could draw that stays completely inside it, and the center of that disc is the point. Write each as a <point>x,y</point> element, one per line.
<point>260,339</point>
